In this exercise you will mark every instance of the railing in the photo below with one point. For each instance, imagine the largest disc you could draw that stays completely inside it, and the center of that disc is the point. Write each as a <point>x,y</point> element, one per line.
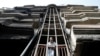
<point>52,27</point>
<point>66,39</point>
<point>30,42</point>
<point>62,50</point>
<point>41,51</point>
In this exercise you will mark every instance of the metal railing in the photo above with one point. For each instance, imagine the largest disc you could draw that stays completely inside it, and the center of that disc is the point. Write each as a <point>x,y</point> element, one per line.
<point>30,42</point>
<point>51,18</point>
<point>66,38</point>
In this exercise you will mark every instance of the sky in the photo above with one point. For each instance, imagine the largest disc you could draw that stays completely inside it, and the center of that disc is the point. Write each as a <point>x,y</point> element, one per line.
<point>13,3</point>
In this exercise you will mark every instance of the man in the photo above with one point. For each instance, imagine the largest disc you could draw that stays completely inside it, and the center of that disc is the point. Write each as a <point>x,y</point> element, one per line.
<point>51,46</point>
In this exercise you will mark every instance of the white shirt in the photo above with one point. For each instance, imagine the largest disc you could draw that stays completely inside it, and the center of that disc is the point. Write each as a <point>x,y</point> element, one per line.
<point>51,51</point>
<point>51,44</point>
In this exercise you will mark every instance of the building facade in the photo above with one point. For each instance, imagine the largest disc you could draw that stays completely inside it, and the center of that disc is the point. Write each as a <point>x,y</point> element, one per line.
<point>27,29</point>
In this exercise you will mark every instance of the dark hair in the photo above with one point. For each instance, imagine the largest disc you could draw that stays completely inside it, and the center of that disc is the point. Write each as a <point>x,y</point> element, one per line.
<point>52,38</point>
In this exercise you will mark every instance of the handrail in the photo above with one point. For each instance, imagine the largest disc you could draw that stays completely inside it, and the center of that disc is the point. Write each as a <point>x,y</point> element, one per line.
<point>30,42</point>
<point>67,39</point>
<point>41,32</point>
<point>67,42</point>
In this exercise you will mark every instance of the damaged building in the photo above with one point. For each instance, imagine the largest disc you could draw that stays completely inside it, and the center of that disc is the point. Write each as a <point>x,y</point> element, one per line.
<point>25,30</point>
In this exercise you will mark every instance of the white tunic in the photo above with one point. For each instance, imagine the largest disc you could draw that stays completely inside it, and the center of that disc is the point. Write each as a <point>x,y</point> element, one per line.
<point>50,50</point>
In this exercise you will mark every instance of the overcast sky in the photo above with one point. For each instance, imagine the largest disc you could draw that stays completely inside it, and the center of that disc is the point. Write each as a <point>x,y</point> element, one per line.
<point>13,3</point>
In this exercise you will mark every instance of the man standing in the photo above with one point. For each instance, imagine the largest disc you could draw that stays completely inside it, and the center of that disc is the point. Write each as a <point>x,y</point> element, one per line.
<point>51,46</point>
